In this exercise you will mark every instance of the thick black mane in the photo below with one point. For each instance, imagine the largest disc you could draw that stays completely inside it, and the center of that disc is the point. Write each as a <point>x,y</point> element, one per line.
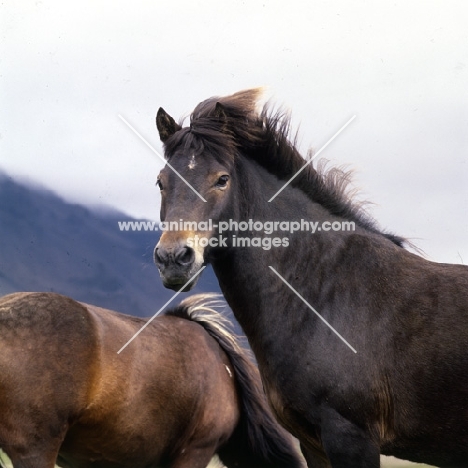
<point>227,125</point>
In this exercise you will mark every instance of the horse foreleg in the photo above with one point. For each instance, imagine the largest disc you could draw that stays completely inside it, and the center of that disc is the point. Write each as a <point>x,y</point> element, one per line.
<point>33,460</point>
<point>193,457</point>
<point>347,445</point>
<point>314,458</point>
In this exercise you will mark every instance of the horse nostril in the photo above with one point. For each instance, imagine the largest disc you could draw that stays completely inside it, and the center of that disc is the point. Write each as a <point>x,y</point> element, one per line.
<point>182,256</point>
<point>185,256</point>
<point>159,256</point>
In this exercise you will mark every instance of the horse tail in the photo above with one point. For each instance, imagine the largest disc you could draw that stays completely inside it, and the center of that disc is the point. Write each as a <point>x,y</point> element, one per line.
<point>258,440</point>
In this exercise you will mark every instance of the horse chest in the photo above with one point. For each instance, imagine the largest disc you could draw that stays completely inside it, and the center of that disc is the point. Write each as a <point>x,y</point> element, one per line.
<point>278,405</point>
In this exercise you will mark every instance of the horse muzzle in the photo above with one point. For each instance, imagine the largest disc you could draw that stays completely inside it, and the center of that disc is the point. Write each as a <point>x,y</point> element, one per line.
<point>177,263</point>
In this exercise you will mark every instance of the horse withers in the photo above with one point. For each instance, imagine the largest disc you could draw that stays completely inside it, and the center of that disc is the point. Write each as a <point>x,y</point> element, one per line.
<point>362,345</point>
<point>182,391</point>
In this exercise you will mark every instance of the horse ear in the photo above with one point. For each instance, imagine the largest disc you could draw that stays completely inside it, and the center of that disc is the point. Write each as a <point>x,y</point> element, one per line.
<point>166,125</point>
<point>220,111</point>
<point>221,114</point>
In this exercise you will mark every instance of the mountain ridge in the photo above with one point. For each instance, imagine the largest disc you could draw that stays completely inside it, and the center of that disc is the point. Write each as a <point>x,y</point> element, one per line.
<point>49,244</point>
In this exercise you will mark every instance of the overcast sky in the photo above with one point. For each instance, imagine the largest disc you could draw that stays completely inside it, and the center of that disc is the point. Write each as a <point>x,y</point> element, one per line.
<point>68,69</point>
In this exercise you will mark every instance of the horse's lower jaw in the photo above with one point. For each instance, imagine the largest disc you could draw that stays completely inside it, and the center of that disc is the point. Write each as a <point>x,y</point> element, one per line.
<point>179,282</point>
<point>176,277</point>
<point>178,286</point>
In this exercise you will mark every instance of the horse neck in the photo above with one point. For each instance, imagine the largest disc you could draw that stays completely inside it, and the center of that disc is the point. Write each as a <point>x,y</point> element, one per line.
<point>249,285</point>
<point>257,186</point>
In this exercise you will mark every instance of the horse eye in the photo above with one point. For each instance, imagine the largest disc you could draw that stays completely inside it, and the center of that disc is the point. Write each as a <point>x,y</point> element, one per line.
<point>222,181</point>
<point>159,184</point>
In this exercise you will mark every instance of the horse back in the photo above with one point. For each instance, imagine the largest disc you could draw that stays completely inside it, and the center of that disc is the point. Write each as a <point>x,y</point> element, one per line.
<point>169,385</point>
<point>46,339</point>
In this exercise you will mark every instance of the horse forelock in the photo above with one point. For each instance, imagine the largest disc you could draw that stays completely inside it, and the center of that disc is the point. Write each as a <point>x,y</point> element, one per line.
<point>215,126</point>
<point>241,105</point>
<point>199,140</point>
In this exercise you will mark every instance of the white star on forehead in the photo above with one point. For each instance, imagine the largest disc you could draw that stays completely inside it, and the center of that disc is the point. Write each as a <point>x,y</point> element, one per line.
<point>192,162</point>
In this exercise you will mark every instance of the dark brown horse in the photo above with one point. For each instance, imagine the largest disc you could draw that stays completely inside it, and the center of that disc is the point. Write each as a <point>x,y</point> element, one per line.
<point>309,295</point>
<point>183,390</point>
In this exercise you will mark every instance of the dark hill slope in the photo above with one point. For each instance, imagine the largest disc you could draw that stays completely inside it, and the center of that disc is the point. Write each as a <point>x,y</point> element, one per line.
<point>47,244</point>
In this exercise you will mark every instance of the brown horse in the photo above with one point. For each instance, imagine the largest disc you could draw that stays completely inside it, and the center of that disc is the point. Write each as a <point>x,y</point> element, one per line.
<point>183,390</point>
<point>305,270</point>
